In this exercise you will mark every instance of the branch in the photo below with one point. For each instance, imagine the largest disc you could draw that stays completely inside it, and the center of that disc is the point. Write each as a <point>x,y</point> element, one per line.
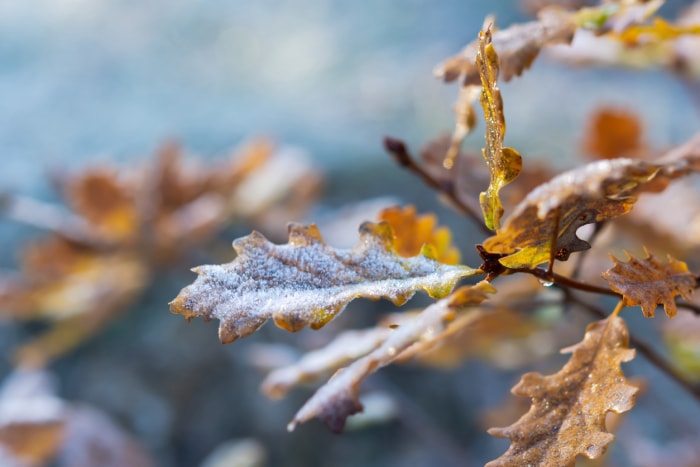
<point>565,282</point>
<point>399,152</point>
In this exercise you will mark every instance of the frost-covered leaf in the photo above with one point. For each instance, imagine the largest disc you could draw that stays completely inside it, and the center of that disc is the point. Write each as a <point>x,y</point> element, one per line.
<point>648,282</point>
<point>543,226</point>
<point>305,282</point>
<point>412,232</point>
<point>517,47</point>
<point>567,415</point>
<point>504,163</point>
<point>344,349</point>
<point>338,398</point>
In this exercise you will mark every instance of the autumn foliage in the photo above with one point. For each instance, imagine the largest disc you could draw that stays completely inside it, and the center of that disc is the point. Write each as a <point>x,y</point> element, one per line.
<point>548,239</point>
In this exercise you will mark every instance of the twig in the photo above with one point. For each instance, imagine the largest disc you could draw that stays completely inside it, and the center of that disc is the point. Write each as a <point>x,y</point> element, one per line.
<point>399,152</point>
<point>645,349</point>
<point>565,282</point>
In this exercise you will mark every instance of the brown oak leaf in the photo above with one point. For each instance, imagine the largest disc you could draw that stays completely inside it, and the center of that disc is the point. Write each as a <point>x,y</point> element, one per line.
<point>648,282</point>
<point>567,415</point>
<point>305,282</point>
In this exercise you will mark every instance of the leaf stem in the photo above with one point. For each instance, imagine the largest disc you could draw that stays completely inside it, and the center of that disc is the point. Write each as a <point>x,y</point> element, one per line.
<point>399,152</point>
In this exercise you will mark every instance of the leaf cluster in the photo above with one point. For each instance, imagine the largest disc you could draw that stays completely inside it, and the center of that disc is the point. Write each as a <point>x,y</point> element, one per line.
<point>535,232</point>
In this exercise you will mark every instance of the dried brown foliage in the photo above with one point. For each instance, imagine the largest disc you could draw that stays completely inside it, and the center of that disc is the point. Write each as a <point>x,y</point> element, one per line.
<point>647,282</point>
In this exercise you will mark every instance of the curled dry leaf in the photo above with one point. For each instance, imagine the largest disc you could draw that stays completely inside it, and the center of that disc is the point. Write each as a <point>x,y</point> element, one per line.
<point>504,163</point>
<point>338,398</point>
<point>648,282</point>
<point>305,282</point>
<point>567,415</point>
<point>517,47</point>
<point>543,226</point>
<point>413,232</point>
<point>345,348</point>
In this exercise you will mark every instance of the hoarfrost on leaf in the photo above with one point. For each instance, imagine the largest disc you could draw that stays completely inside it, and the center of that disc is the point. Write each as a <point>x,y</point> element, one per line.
<point>305,282</point>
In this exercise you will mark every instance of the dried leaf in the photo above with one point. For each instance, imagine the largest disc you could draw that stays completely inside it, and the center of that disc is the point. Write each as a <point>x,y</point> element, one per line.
<point>413,232</point>
<point>344,349</point>
<point>543,226</point>
<point>647,282</point>
<point>613,133</point>
<point>504,163</point>
<point>305,282</point>
<point>567,415</point>
<point>517,47</point>
<point>338,398</point>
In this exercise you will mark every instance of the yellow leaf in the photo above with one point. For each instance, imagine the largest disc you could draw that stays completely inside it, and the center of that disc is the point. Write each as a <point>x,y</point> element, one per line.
<point>658,30</point>
<point>306,282</point>
<point>543,226</point>
<point>413,232</point>
<point>567,415</point>
<point>504,163</point>
<point>647,282</point>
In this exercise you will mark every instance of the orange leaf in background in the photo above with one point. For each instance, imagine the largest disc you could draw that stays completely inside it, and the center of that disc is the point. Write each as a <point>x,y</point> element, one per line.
<point>647,282</point>
<point>108,203</point>
<point>412,232</point>
<point>567,415</point>
<point>613,133</point>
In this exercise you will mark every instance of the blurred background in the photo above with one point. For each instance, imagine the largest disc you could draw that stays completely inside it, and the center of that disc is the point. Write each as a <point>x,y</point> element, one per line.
<point>84,82</point>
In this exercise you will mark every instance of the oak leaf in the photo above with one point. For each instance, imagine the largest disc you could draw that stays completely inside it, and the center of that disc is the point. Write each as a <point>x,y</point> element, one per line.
<point>338,398</point>
<point>567,415</point>
<point>305,282</point>
<point>648,282</point>
<point>543,226</point>
<point>413,232</point>
<point>504,163</point>
<point>517,47</point>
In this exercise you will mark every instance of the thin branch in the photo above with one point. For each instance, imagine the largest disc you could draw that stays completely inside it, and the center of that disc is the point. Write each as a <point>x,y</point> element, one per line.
<point>565,282</point>
<point>399,152</point>
<point>645,349</point>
